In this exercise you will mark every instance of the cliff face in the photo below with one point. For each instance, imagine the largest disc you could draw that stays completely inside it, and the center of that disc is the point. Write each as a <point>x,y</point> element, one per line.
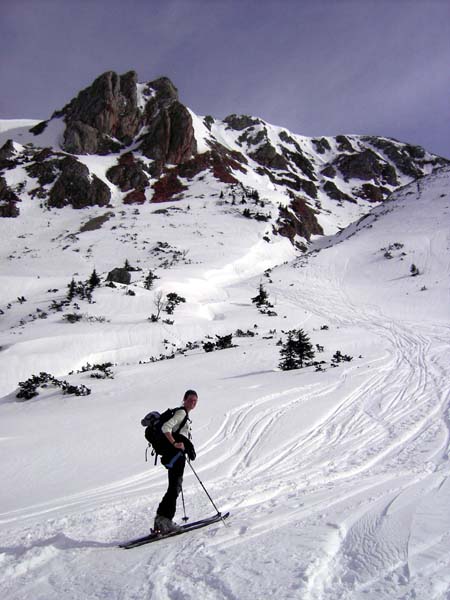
<point>110,115</point>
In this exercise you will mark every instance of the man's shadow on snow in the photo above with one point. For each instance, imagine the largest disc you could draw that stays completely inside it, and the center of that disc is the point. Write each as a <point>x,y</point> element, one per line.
<point>60,541</point>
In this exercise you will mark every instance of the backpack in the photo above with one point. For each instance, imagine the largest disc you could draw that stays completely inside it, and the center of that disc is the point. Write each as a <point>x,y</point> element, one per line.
<point>153,423</point>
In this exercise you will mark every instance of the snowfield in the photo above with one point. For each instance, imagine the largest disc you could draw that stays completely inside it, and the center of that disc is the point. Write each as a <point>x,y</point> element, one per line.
<point>337,480</point>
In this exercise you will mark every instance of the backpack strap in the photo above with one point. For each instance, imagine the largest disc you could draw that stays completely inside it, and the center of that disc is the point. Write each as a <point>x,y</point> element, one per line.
<point>152,453</point>
<point>179,428</point>
<point>184,421</point>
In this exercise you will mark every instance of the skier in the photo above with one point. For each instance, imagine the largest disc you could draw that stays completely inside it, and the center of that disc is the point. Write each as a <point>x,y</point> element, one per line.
<point>176,443</point>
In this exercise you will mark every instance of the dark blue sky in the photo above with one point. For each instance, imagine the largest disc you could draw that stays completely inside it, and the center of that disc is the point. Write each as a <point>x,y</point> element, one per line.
<point>318,67</point>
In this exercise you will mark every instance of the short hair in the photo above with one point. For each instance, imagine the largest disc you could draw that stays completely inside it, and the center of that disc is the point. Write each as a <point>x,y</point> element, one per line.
<point>188,393</point>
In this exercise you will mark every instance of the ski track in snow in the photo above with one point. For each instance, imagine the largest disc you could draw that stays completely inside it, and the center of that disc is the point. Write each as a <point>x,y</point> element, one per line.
<point>346,495</point>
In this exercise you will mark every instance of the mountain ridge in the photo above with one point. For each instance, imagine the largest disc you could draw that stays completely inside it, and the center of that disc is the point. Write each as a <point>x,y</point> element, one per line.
<point>156,149</point>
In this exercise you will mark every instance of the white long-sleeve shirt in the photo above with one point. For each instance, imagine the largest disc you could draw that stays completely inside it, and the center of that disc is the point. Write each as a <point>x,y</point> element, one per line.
<point>174,422</point>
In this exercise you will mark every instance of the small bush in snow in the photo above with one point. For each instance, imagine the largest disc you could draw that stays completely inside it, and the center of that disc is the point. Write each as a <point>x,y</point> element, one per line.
<point>28,388</point>
<point>240,333</point>
<point>222,343</point>
<point>100,370</point>
<point>339,357</point>
<point>72,317</point>
<point>173,300</point>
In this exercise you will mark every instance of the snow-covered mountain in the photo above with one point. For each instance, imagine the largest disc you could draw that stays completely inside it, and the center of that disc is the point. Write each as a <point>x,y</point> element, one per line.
<point>121,142</point>
<point>337,474</point>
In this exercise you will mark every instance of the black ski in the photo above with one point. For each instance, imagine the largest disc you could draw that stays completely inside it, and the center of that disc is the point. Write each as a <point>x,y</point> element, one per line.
<point>154,537</point>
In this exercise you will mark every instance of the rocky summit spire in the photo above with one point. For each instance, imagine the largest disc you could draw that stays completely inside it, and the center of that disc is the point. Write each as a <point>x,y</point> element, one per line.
<point>114,112</point>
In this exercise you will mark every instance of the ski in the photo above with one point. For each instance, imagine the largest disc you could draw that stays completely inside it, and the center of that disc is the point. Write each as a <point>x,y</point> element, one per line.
<point>154,537</point>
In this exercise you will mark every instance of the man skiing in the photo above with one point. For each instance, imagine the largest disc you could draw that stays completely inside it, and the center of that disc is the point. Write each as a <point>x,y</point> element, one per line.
<point>176,443</point>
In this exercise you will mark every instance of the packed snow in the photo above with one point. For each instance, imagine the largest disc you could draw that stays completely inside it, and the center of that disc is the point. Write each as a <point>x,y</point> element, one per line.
<point>337,480</point>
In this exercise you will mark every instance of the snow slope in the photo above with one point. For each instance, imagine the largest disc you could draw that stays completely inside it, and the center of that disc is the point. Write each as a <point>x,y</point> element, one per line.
<point>337,480</point>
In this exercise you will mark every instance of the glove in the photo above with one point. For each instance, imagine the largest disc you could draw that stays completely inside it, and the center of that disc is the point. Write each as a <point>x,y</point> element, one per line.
<point>190,450</point>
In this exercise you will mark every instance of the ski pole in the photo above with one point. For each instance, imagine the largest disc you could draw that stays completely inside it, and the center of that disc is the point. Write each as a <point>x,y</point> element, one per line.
<point>206,492</point>
<point>185,518</point>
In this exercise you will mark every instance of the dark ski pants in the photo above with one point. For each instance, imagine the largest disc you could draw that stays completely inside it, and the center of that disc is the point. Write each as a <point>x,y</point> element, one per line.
<point>168,504</point>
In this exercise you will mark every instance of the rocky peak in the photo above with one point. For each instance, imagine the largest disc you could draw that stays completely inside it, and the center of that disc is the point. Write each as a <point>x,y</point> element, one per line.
<point>109,115</point>
<point>107,108</point>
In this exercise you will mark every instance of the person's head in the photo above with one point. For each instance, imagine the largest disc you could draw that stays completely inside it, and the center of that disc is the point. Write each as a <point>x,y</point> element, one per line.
<point>190,399</point>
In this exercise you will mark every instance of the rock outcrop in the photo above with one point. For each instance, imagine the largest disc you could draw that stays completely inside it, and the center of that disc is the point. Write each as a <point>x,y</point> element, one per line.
<point>128,174</point>
<point>298,219</point>
<point>7,154</point>
<point>335,193</point>
<point>366,165</point>
<point>108,116</point>
<point>76,187</point>
<point>8,200</point>
<point>170,136</point>
<point>103,117</point>
<point>240,122</point>
<point>119,275</point>
<point>408,159</point>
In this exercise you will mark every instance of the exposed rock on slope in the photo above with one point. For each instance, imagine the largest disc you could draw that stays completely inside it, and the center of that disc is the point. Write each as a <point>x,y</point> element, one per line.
<point>8,200</point>
<point>76,188</point>
<point>128,174</point>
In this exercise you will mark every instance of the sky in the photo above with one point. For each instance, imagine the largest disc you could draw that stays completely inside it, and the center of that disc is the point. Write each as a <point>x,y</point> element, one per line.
<point>322,67</point>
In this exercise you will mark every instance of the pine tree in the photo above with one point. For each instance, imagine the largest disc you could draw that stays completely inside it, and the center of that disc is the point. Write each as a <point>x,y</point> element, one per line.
<point>94,280</point>
<point>262,299</point>
<point>148,283</point>
<point>289,359</point>
<point>296,350</point>
<point>72,290</point>
<point>303,347</point>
